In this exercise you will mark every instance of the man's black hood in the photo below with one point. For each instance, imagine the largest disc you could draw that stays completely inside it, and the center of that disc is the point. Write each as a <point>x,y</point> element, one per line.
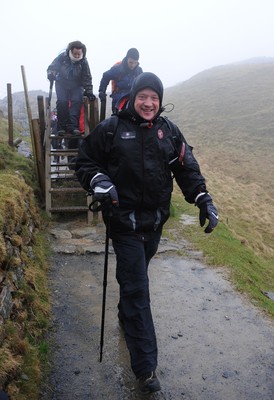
<point>146,80</point>
<point>143,81</point>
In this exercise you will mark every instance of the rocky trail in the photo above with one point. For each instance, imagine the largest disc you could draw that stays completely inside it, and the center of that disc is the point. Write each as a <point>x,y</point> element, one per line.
<point>213,344</point>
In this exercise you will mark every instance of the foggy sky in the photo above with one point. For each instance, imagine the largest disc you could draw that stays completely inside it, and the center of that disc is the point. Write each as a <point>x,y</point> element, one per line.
<point>176,39</point>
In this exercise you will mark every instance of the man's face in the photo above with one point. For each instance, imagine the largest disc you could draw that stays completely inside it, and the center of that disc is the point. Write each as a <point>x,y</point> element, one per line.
<point>132,63</point>
<point>147,104</point>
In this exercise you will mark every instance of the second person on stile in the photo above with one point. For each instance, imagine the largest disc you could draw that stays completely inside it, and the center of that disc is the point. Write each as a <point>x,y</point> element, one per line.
<point>122,75</point>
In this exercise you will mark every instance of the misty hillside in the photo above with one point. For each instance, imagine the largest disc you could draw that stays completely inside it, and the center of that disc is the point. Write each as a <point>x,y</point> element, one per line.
<point>229,110</point>
<point>19,105</point>
<point>19,102</point>
<point>227,114</point>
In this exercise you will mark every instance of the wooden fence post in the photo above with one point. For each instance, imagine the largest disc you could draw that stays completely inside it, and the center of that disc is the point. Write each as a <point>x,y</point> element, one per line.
<point>86,115</point>
<point>29,117</point>
<point>94,117</point>
<point>41,113</point>
<point>39,156</point>
<point>10,114</point>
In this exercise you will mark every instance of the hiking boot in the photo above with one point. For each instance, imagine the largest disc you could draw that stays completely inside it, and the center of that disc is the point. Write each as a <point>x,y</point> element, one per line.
<point>148,383</point>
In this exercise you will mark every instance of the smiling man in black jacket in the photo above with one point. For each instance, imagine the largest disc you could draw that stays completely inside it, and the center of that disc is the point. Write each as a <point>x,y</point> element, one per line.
<point>133,169</point>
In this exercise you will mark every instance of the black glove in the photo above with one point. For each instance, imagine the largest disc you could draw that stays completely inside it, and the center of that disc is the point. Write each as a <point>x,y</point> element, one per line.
<point>102,96</point>
<point>51,76</point>
<point>207,211</point>
<point>103,190</point>
<point>90,95</point>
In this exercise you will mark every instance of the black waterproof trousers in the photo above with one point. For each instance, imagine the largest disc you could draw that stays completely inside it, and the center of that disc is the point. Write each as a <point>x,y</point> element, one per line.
<point>69,103</point>
<point>133,256</point>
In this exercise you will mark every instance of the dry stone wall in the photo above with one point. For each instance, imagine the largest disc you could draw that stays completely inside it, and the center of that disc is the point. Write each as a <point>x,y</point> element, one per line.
<point>20,222</point>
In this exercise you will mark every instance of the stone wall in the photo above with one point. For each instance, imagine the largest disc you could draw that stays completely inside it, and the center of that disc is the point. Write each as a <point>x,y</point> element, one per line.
<point>19,225</point>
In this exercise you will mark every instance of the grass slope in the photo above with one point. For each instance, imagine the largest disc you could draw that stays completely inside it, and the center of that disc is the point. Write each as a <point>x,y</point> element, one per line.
<point>226,113</point>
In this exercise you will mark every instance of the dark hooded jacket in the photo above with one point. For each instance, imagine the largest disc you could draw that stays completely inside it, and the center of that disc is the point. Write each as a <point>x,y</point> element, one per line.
<point>66,71</point>
<point>141,161</point>
<point>123,77</point>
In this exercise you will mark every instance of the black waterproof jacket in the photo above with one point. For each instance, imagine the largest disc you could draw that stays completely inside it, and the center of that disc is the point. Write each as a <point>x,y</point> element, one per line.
<point>141,162</point>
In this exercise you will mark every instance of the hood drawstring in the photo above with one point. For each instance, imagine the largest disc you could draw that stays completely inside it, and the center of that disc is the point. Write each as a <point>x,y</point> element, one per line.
<point>146,124</point>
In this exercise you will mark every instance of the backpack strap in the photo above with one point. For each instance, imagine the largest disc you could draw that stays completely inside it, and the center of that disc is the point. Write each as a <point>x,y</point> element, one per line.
<point>183,149</point>
<point>167,122</point>
<point>111,131</point>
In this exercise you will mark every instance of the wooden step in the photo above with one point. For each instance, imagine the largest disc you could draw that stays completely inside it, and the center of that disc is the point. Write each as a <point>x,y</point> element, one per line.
<point>72,197</point>
<point>69,209</point>
<point>63,152</point>
<point>59,165</point>
<point>66,136</point>
<point>63,175</point>
<point>67,190</point>
<point>54,151</point>
<point>62,167</point>
<point>62,178</point>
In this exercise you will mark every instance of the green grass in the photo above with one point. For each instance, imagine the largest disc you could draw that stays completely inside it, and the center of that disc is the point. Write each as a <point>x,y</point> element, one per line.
<point>10,160</point>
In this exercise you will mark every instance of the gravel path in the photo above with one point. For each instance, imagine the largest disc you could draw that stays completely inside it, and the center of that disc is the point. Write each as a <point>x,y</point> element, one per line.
<point>213,344</point>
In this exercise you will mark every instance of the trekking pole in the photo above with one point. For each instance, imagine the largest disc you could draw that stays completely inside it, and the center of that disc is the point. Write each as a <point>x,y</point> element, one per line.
<point>50,93</point>
<point>104,290</point>
<point>96,209</point>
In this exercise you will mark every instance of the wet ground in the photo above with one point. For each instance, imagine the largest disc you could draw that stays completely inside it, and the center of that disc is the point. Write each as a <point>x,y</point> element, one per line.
<point>213,344</point>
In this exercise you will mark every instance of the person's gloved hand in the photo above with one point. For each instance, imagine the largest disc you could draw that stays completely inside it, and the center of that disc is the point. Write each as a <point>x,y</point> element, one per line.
<point>51,76</point>
<point>102,96</point>
<point>207,211</point>
<point>90,95</point>
<point>103,189</point>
